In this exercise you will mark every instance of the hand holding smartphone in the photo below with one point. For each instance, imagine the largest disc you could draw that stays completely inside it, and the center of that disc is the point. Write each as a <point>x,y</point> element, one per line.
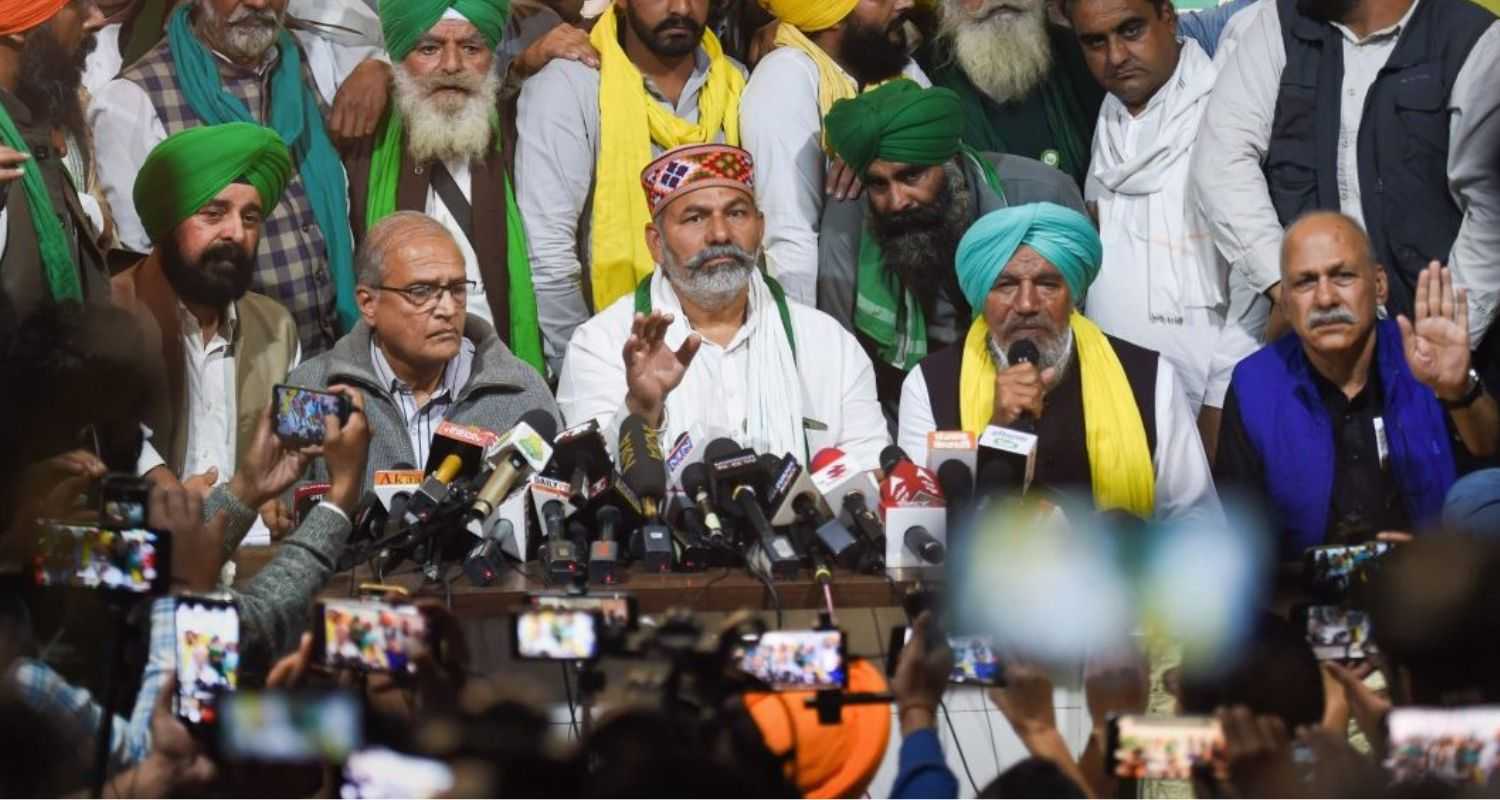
<point>1165,748</point>
<point>798,661</point>
<point>554,634</point>
<point>126,562</point>
<point>300,413</point>
<point>368,635</point>
<point>208,657</point>
<point>974,659</point>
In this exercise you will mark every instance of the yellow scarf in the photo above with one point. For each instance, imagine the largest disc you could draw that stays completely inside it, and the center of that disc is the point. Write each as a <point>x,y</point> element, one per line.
<point>1119,457</point>
<point>629,121</point>
<point>833,83</point>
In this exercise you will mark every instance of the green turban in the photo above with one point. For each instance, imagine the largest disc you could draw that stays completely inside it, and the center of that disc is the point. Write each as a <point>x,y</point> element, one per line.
<point>899,122</point>
<point>1064,237</point>
<point>405,22</point>
<point>190,168</point>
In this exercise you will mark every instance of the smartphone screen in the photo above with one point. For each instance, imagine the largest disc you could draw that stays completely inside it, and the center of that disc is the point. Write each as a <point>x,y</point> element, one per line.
<point>974,659</point>
<point>380,773</point>
<point>616,611</point>
<point>208,656</point>
<point>557,635</point>
<point>1457,745</point>
<point>91,557</point>
<point>1165,748</point>
<point>1334,570</point>
<point>304,727</point>
<point>798,661</point>
<point>300,413</point>
<point>124,501</point>
<point>370,635</point>
<point>1337,633</point>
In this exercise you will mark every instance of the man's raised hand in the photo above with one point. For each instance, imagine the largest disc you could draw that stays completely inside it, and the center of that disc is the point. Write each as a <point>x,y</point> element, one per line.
<point>1437,343</point>
<point>652,369</point>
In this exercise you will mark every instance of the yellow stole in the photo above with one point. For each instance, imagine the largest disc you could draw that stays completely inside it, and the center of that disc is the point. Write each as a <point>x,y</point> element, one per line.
<point>1119,457</point>
<point>833,83</point>
<point>629,121</point>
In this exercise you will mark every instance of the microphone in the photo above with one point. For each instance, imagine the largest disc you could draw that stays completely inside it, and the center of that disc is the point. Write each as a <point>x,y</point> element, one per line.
<point>644,471</point>
<point>694,553</point>
<point>851,490</point>
<point>925,545</point>
<point>1016,444</point>
<point>580,448</point>
<point>695,483</point>
<point>1024,352</point>
<point>558,553</point>
<point>795,499</point>
<point>960,446</point>
<point>525,447</point>
<point>604,554</point>
<point>434,490</point>
<point>738,476</point>
<point>957,482</point>
<point>911,501</point>
<point>468,442</point>
<point>484,562</point>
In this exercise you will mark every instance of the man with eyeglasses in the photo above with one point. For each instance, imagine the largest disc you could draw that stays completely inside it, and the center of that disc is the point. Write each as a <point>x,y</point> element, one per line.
<point>416,353</point>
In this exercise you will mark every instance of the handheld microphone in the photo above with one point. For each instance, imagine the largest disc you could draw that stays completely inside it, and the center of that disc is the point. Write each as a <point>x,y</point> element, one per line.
<point>695,483</point>
<point>912,503</point>
<point>1015,444</point>
<point>737,487</point>
<point>957,482</point>
<point>580,448</point>
<point>526,447</point>
<point>558,553</point>
<point>924,545</point>
<point>604,554</point>
<point>644,471</point>
<point>693,551</point>
<point>483,563</point>
<point>1024,352</point>
<point>434,490</point>
<point>795,499</point>
<point>851,490</point>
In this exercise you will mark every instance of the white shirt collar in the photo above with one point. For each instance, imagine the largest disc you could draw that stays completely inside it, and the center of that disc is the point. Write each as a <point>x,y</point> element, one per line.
<point>1387,32</point>
<point>228,326</point>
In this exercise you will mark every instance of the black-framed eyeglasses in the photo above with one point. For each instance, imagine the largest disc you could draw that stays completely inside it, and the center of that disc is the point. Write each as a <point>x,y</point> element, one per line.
<point>427,295</point>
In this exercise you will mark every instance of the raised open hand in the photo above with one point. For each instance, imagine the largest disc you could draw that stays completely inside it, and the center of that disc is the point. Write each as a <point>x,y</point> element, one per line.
<point>652,369</point>
<point>1437,344</point>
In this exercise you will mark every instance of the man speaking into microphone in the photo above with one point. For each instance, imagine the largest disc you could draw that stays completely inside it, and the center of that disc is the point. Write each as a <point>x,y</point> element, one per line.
<point>1111,422</point>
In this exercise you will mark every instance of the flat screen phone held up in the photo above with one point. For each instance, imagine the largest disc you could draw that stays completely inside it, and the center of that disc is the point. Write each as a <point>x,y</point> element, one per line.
<point>617,610</point>
<point>798,661</point>
<point>1337,633</point>
<point>548,634</point>
<point>380,773</point>
<point>208,656</point>
<point>298,727</point>
<point>136,561</point>
<point>124,501</point>
<point>300,413</point>
<point>1165,748</point>
<point>369,635</point>
<point>1456,745</point>
<point>1333,570</point>
<point>974,659</point>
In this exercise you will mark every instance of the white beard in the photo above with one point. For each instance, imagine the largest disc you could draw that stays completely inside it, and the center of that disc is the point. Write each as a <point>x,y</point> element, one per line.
<point>443,131</point>
<point>1005,56</point>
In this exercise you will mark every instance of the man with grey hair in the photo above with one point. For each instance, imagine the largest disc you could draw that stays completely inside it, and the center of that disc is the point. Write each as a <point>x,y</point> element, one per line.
<point>709,343</point>
<point>440,152</point>
<point>416,354</point>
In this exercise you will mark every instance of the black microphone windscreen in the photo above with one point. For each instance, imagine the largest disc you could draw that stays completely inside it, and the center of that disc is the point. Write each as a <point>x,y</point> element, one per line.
<point>1023,352</point>
<point>695,478</point>
<point>996,476</point>
<point>542,422</point>
<point>641,466</point>
<point>956,480</point>
<point>891,456</point>
<point>720,448</point>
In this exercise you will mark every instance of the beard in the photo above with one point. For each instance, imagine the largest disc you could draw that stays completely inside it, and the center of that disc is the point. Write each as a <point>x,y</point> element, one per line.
<point>50,79</point>
<point>1006,56</point>
<point>220,276</point>
<point>919,246</point>
<point>874,54</point>
<point>1054,348</point>
<point>1327,10</point>
<point>656,39</point>
<point>711,288</point>
<point>445,127</point>
<point>245,35</point>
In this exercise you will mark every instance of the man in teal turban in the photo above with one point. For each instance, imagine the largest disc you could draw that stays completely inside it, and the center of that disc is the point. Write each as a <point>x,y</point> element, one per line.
<point>886,263</point>
<point>440,152</point>
<point>214,349</point>
<point>1101,417</point>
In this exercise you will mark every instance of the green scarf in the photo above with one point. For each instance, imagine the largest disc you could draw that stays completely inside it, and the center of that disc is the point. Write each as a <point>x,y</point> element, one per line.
<point>296,118</point>
<point>525,338</point>
<point>1060,103</point>
<point>57,257</point>
<point>886,311</point>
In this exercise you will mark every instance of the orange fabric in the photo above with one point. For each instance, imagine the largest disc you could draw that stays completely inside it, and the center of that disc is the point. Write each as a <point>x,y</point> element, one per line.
<point>17,16</point>
<point>831,760</point>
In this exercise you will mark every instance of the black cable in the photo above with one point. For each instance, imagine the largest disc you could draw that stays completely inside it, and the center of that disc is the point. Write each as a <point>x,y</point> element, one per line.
<point>572,710</point>
<point>959,747</point>
<point>770,587</point>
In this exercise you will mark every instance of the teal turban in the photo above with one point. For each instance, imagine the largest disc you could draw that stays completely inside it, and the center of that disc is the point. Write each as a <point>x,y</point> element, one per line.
<point>899,122</point>
<point>1066,238</point>
<point>190,168</point>
<point>405,22</point>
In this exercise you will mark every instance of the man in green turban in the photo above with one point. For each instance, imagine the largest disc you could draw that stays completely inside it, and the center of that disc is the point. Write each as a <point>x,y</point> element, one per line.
<point>440,152</point>
<point>214,349</point>
<point>886,264</point>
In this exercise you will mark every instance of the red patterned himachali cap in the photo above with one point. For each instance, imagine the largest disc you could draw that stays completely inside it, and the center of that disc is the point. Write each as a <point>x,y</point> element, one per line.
<point>700,166</point>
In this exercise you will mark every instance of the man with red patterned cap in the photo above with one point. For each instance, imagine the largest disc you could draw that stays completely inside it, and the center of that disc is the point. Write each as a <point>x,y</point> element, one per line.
<point>709,342</point>
<point>49,243</point>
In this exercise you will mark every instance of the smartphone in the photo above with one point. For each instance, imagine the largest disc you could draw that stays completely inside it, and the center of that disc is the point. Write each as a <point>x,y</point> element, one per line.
<point>124,501</point>
<point>300,413</point>
<point>618,611</point>
<point>1337,633</point>
<point>798,661</point>
<point>974,659</point>
<point>381,773</point>
<point>553,634</point>
<point>1332,571</point>
<point>135,561</point>
<point>208,657</point>
<point>368,635</point>
<point>1456,745</point>
<point>1164,748</point>
<point>299,727</point>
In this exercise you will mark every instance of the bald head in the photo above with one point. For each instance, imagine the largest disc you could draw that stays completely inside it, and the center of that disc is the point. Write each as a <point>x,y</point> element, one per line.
<point>1331,284</point>
<point>401,229</point>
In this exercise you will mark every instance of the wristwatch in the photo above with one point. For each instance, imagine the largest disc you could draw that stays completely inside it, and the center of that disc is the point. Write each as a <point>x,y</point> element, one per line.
<point>1474,389</point>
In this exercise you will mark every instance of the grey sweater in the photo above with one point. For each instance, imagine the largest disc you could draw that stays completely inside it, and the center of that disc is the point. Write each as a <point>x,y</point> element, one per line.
<point>501,388</point>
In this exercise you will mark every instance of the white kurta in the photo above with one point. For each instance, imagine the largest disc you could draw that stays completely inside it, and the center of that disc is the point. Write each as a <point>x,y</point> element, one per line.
<point>1184,484</point>
<point>834,376</point>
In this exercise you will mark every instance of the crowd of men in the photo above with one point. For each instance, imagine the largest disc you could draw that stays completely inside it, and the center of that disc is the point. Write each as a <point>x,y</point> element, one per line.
<point>1253,252</point>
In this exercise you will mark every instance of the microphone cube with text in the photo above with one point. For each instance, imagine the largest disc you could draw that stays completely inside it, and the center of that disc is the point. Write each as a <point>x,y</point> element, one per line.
<point>914,513</point>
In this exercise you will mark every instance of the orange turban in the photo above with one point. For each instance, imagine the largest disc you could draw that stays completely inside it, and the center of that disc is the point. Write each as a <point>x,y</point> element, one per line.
<point>831,760</point>
<point>18,16</point>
